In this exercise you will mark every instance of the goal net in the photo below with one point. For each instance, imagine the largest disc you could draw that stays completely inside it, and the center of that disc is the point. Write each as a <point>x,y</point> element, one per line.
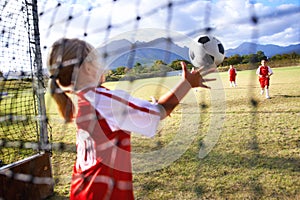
<point>130,51</point>
<point>23,123</point>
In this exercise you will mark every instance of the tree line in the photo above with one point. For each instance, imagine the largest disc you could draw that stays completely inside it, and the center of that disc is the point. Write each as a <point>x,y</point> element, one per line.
<point>260,55</point>
<point>160,68</point>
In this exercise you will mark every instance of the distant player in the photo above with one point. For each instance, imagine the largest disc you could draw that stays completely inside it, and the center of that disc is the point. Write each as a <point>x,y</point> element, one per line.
<point>264,72</point>
<point>232,76</point>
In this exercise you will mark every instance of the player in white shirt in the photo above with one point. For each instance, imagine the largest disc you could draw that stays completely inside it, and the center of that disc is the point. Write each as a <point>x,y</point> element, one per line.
<point>264,72</point>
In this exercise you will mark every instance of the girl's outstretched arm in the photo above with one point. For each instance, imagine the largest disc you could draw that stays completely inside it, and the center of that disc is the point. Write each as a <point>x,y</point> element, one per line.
<point>189,80</point>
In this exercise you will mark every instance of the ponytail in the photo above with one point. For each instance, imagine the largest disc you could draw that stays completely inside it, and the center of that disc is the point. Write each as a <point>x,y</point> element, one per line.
<point>64,103</point>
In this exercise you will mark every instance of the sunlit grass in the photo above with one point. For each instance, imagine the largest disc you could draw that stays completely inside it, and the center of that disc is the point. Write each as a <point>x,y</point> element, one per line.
<point>256,156</point>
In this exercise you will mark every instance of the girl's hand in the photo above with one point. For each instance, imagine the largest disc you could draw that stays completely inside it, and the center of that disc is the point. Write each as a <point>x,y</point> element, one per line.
<point>195,77</point>
<point>190,79</point>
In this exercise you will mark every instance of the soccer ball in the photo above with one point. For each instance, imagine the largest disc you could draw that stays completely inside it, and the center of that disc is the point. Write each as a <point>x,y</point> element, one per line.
<point>207,51</point>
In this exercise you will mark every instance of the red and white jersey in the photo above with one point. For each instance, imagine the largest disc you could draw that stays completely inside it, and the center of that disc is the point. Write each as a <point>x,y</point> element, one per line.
<point>264,71</point>
<point>104,121</point>
<point>124,112</point>
<point>232,72</point>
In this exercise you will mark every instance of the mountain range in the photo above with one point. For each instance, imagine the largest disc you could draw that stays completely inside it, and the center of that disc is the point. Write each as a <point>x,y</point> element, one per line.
<point>125,53</point>
<point>269,49</point>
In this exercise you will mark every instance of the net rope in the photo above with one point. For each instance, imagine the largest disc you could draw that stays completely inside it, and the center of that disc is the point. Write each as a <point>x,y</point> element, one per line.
<point>18,113</point>
<point>19,132</point>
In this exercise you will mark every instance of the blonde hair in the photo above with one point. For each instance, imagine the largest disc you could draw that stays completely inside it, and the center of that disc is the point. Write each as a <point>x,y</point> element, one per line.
<point>64,60</point>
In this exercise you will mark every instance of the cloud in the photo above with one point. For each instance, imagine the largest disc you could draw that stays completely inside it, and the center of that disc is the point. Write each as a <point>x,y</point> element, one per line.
<point>231,19</point>
<point>234,25</point>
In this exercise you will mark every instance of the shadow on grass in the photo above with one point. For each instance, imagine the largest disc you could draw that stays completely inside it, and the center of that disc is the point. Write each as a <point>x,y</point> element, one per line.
<point>256,165</point>
<point>254,161</point>
<point>56,196</point>
<point>288,96</point>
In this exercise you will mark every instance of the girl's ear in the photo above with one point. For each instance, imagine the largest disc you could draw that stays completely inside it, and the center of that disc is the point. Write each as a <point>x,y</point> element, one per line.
<point>88,68</point>
<point>85,69</point>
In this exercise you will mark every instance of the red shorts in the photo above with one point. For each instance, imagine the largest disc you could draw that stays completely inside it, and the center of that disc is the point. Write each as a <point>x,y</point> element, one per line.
<point>232,78</point>
<point>264,81</point>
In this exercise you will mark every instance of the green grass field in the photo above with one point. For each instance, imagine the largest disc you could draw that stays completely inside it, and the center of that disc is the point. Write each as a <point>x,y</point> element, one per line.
<point>256,156</point>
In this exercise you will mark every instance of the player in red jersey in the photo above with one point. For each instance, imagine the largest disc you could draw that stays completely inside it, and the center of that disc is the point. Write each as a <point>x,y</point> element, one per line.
<point>264,72</point>
<point>232,76</point>
<point>105,118</point>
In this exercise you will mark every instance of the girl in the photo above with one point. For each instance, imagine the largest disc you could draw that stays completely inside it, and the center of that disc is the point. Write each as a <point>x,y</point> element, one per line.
<point>232,76</point>
<point>105,118</point>
<point>264,72</point>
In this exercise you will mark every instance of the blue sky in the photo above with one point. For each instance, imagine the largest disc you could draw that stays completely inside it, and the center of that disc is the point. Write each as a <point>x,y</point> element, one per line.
<point>278,20</point>
<point>275,3</point>
<point>230,19</point>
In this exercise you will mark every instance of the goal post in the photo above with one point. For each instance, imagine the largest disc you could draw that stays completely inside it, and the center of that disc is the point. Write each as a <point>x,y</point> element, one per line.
<point>40,88</point>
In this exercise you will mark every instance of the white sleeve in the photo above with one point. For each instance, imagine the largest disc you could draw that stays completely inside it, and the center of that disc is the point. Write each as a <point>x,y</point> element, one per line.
<point>270,70</point>
<point>258,71</point>
<point>124,112</point>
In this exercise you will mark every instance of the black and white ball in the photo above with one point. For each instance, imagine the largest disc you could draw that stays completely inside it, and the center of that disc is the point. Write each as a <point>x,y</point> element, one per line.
<point>207,51</point>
